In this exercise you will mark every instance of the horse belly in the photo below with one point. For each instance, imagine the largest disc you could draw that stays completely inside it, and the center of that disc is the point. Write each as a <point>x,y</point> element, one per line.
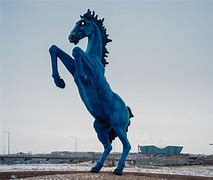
<point>97,97</point>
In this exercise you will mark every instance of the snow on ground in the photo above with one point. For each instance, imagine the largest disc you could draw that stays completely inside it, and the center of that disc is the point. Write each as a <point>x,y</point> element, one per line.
<point>183,170</point>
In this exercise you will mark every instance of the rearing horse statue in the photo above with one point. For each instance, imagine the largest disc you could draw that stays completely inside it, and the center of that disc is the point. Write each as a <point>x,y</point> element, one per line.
<point>112,116</point>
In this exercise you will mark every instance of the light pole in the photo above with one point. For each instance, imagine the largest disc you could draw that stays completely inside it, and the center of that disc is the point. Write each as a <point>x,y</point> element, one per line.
<point>114,146</point>
<point>76,143</point>
<point>8,141</point>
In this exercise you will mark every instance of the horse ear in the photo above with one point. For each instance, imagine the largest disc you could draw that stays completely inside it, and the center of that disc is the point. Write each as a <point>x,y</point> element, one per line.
<point>81,16</point>
<point>88,11</point>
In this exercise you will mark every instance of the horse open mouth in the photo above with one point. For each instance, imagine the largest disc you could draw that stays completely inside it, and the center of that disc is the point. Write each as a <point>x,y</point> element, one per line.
<point>73,39</point>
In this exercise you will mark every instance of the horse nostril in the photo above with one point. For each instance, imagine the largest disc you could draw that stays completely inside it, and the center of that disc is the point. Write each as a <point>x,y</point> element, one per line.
<point>73,39</point>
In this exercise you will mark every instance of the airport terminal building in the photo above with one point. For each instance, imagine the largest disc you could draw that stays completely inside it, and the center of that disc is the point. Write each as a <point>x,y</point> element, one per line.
<point>154,150</point>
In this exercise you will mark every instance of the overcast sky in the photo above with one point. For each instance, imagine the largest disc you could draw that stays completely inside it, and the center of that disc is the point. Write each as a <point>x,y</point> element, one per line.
<point>161,61</point>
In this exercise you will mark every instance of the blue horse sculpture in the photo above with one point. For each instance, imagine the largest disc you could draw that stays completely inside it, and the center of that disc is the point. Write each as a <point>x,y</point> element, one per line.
<point>112,116</point>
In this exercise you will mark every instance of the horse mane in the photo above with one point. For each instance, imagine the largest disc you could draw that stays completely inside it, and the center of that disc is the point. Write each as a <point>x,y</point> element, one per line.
<point>99,22</point>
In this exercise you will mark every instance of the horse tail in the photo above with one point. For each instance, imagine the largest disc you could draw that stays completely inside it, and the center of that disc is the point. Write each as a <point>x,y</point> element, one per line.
<point>130,112</point>
<point>130,116</point>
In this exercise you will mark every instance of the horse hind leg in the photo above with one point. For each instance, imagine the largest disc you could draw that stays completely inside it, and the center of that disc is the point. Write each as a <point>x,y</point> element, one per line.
<point>122,135</point>
<point>104,139</point>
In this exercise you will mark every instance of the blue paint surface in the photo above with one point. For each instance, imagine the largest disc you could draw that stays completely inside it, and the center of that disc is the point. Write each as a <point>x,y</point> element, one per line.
<point>112,116</point>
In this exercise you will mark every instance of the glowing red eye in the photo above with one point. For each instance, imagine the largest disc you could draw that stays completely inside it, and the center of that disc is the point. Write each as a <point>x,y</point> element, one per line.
<point>82,23</point>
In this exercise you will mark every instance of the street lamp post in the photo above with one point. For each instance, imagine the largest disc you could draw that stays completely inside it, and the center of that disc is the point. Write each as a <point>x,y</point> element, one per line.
<point>114,146</point>
<point>76,143</point>
<point>8,141</point>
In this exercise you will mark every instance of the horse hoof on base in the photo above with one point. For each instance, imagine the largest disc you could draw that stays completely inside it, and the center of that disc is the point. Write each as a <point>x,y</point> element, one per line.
<point>94,170</point>
<point>117,172</point>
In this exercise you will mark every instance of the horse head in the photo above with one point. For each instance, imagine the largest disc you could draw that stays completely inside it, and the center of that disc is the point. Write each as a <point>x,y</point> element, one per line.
<point>85,27</point>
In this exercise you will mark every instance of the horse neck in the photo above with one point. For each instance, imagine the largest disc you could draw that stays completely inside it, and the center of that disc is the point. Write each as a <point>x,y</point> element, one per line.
<point>94,46</point>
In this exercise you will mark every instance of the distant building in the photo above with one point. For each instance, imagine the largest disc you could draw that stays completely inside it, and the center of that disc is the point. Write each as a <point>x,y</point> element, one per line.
<point>153,150</point>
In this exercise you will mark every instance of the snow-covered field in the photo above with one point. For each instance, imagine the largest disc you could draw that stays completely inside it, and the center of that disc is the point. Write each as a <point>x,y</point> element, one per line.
<point>182,170</point>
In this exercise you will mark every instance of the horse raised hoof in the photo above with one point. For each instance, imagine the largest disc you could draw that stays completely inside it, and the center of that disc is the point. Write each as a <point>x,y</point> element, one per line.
<point>59,83</point>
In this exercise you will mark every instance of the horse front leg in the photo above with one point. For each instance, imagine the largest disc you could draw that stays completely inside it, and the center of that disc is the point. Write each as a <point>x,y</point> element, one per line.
<point>68,61</point>
<point>79,56</point>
